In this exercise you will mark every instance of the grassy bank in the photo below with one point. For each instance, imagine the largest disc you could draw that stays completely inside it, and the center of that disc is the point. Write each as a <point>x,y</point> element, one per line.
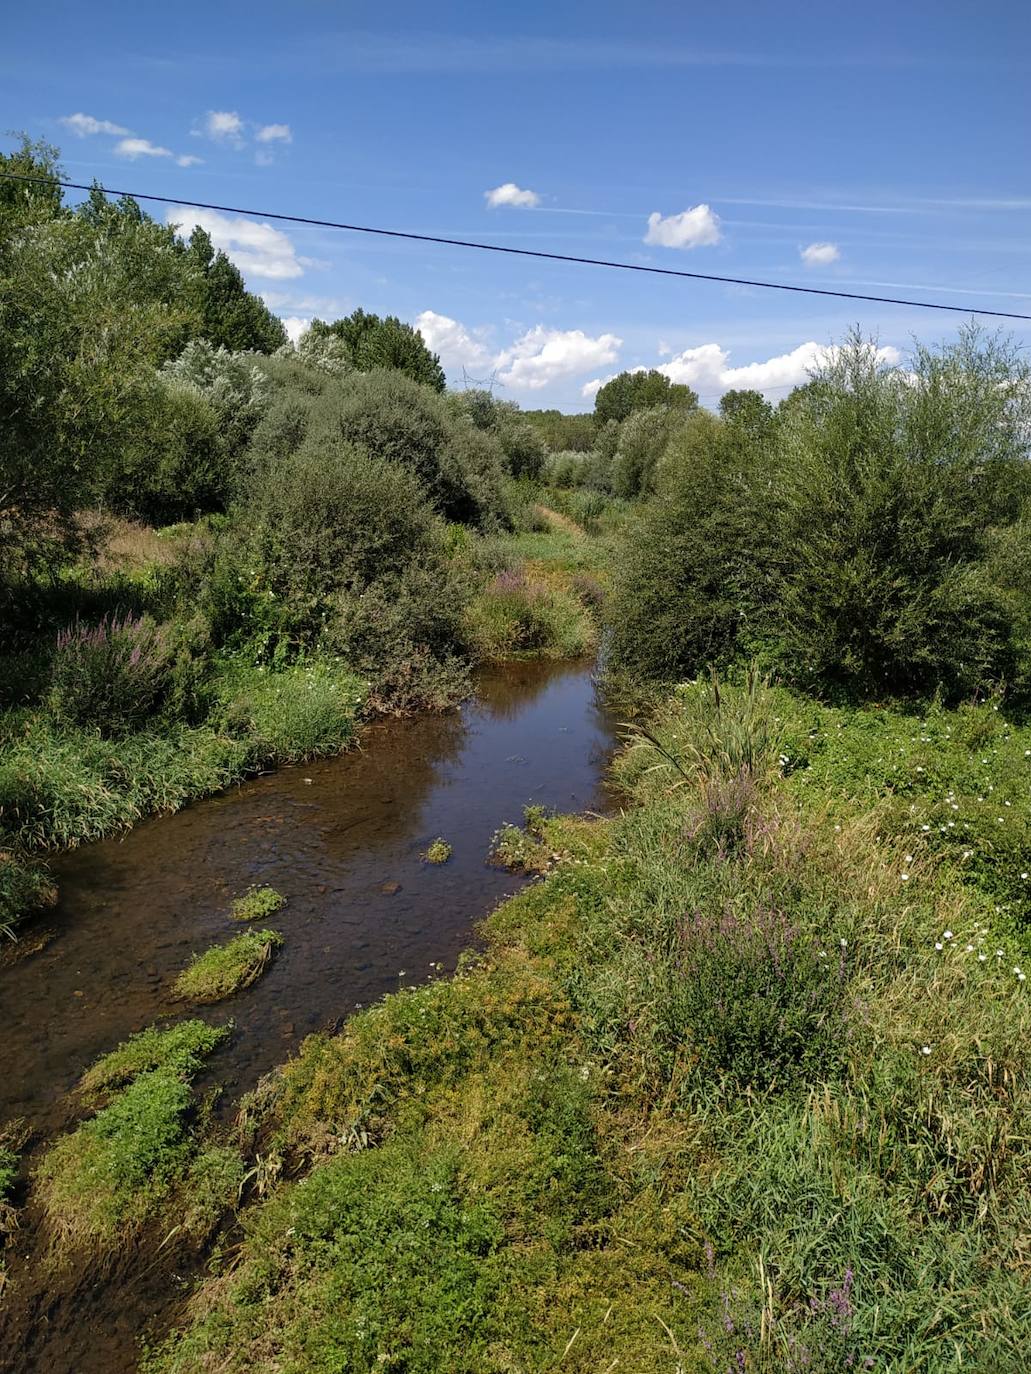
<point>741,1084</point>
<point>62,785</point>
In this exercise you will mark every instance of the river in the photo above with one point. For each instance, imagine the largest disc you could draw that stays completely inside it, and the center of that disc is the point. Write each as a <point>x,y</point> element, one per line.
<point>341,838</point>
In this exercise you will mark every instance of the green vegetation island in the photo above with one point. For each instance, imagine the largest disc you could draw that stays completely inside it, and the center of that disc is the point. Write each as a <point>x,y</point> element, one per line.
<point>738,1079</point>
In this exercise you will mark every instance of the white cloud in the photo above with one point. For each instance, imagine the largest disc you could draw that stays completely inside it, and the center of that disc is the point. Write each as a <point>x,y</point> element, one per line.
<point>295,326</point>
<point>224,125</point>
<point>457,347</point>
<point>83,124</point>
<point>133,148</point>
<point>274,133</point>
<point>257,248</point>
<point>706,368</point>
<point>511,194</point>
<point>694,228</point>
<point>819,254</point>
<point>542,356</point>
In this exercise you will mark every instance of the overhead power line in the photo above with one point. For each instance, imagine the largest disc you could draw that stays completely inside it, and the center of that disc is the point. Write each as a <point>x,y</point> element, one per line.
<point>411,236</point>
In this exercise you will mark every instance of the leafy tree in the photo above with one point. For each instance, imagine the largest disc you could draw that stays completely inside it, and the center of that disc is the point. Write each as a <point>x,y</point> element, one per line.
<point>232,317</point>
<point>521,445</point>
<point>631,391</point>
<point>563,433</point>
<point>91,302</point>
<point>749,410</point>
<point>875,542</point>
<point>29,202</point>
<point>642,441</point>
<point>372,342</point>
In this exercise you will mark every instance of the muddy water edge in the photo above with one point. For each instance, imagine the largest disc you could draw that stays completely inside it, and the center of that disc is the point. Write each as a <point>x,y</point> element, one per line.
<point>342,839</point>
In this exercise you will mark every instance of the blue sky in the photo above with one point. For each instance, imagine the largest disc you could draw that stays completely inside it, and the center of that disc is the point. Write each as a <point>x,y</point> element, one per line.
<point>890,141</point>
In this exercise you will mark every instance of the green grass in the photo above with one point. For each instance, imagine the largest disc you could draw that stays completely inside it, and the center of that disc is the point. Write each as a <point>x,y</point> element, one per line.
<point>225,969</point>
<point>181,1048</point>
<point>61,786</point>
<point>25,886</point>
<point>117,1170</point>
<point>515,616</point>
<point>712,1098</point>
<point>257,904</point>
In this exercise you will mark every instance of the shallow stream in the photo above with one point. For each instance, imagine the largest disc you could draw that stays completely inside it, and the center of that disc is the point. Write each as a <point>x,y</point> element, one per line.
<point>342,840</point>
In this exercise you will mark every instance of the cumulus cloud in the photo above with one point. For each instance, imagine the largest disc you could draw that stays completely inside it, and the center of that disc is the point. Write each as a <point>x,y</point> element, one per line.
<point>694,228</point>
<point>223,126</point>
<point>454,343</point>
<point>819,254</point>
<point>274,133</point>
<point>132,148</point>
<point>295,326</point>
<point>258,249</point>
<point>707,368</point>
<point>82,125</point>
<point>542,356</point>
<point>511,194</point>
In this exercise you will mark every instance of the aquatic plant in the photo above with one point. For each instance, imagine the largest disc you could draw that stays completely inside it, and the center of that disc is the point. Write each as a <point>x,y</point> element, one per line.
<point>258,903</point>
<point>225,969</point>
<point>438,852</point>
<point>181,1048</point>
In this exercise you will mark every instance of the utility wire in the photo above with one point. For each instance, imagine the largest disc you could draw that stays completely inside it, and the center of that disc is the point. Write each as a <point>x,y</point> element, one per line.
<point>517,252</point>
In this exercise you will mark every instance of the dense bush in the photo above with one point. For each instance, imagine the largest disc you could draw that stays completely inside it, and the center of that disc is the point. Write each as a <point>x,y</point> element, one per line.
<point>515,616</point>
<point>869,540</point>
<point>521,445</point>
<point>112,676</point>
<point>337,550</point>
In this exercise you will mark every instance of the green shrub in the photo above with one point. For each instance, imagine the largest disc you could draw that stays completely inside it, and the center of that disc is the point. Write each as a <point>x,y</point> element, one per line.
<point>438,852</point>
<point>399,421</point>
<point>759,1002</point>
<point>225,969</point>
<point>112,676</point>
<point>857,545</point>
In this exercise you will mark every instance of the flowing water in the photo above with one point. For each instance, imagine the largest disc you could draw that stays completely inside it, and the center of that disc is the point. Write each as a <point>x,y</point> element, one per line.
<point>341,839</point>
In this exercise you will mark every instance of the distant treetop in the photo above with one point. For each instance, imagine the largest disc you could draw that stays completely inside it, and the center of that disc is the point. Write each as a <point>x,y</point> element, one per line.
<point>632,391</point>
<point>390,343</point>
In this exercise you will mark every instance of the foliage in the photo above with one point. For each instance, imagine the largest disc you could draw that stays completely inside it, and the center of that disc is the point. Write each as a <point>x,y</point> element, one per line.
<point>181,1048</point>
<point>374,343</point>
<point>258,903</point>
<point>112,676</point>
<point>225,969</point>
<point>641,390</point>
<point>231,317</point>
<point>643,437</point>
<point>232,384</point>
<point>521,445</point>
<point>563,433</point>
<point>857,544</point>
<point>515,616</point>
